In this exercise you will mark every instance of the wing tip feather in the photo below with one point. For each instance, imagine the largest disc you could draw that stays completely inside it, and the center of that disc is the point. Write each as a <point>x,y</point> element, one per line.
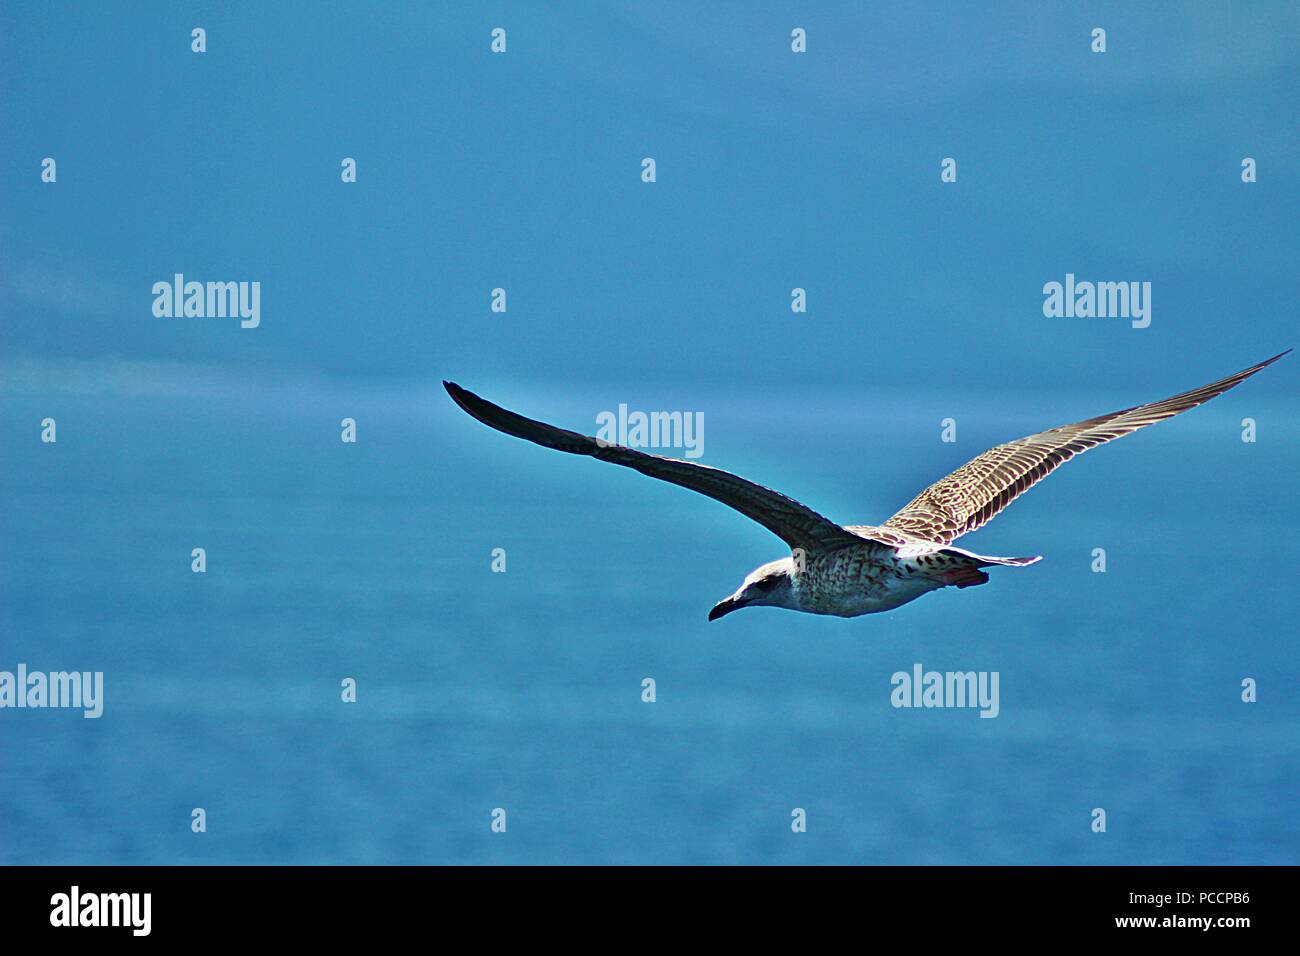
<point>468,402</point>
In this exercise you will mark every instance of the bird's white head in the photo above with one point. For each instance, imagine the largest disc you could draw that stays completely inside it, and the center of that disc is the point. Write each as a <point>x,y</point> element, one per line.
<point>772,585</point>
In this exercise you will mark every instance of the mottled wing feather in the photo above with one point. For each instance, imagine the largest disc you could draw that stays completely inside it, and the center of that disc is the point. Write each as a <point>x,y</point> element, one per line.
<point>796,524</point>
<point>979,489</point>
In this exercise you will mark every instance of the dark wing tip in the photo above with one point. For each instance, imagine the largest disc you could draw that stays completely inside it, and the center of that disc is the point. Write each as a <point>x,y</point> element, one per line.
<point>1244,374</point>
<point>481,410</point>
<point>466,399</point>
<point>1270,361</point>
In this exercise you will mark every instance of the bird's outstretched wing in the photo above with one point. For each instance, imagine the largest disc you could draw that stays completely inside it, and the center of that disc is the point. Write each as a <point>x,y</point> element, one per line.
<point>979,489</point>
<point>794,523</point>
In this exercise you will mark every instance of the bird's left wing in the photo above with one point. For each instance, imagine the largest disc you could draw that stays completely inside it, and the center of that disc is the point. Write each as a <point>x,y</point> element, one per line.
<point>796,524</point>
<point>979,489</point>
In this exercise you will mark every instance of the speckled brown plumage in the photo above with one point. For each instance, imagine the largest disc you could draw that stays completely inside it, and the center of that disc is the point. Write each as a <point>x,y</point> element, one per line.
<point>861,569</point>
<point>979,489</point>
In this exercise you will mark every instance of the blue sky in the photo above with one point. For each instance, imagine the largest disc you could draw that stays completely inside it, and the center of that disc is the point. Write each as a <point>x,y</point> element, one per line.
<point>774,171</point>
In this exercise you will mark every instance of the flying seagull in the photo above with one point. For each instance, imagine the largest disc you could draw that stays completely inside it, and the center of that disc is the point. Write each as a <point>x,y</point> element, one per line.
<point>848,570</point>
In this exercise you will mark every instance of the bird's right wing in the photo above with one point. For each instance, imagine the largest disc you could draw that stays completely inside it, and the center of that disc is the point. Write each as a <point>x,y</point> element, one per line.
<point>979,489</point>
<point>794,523</point>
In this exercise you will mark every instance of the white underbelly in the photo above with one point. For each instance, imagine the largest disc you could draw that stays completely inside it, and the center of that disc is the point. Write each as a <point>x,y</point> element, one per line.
<point>851,586</point>
<point>893,595</point>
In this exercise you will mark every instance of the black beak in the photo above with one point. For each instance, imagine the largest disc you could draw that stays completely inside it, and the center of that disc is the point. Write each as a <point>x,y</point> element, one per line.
<point>725,607</point>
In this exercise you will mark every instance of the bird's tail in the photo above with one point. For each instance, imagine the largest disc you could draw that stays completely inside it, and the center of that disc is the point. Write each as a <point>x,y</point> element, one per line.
<point>984,560</point>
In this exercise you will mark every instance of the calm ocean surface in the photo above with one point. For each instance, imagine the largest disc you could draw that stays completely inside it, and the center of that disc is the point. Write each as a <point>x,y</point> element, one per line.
<point>522,690</point>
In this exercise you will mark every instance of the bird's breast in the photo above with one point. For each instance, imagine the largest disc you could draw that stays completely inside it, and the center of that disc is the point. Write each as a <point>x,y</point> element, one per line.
<point>855,581</point>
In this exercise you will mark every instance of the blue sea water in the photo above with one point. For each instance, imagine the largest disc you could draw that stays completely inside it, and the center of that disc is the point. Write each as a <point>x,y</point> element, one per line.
<point>522,171</point>
<point>522,689</point>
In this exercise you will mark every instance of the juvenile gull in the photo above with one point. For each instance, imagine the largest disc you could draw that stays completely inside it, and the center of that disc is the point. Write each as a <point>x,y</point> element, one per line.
<point>848,570</point>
